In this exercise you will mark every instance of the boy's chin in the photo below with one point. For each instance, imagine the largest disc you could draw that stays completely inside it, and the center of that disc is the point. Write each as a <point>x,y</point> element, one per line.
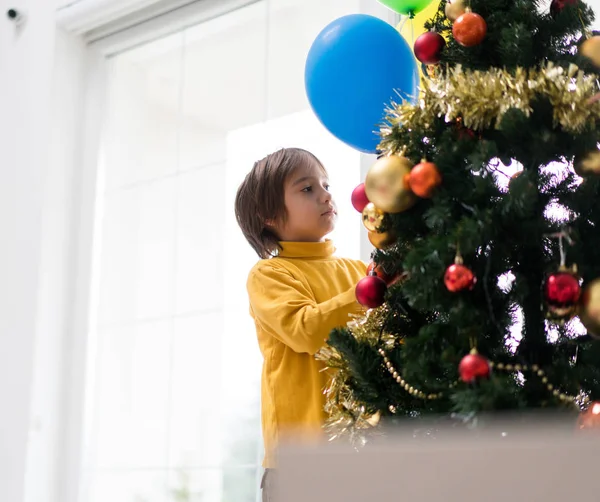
<point>327,232</point>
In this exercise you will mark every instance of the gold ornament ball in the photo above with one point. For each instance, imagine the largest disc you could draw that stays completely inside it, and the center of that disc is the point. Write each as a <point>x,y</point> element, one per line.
<point>589,308</point>
<point>372,217</point>
<point>386,184</point>
<point>591,49</point>
<point>454,9</point>
<point>381,240</point>
<point>588,164</point>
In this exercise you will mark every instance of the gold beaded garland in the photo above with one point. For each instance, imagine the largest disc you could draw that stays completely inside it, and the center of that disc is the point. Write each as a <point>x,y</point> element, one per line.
<point>499,366</point>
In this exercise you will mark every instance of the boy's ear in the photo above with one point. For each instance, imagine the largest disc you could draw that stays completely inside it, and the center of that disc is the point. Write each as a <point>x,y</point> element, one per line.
<point>269,222</point>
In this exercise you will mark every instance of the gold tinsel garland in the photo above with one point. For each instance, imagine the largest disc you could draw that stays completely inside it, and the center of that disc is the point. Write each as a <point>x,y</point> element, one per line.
<point>346,415</point>
<point>481,98</point>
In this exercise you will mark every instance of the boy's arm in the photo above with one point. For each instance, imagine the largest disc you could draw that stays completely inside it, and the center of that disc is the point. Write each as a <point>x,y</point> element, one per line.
<point>286,308</point>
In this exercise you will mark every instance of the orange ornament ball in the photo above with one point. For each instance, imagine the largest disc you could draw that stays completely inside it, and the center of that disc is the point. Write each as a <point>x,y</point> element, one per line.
<point>424,178</point>
<point>469,29</point>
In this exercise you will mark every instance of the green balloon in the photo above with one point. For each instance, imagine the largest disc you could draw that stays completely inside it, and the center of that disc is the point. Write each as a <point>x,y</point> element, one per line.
<point>406,7</point>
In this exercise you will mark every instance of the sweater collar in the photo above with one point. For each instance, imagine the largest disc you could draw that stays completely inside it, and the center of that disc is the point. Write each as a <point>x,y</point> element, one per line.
<point>290,249</point>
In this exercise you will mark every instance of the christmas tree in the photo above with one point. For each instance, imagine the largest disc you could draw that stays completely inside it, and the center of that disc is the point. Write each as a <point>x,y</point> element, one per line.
<point>484,291</point>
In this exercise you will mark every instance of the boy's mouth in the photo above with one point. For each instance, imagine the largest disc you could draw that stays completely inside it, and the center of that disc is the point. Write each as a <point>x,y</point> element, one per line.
<point>331,211</point>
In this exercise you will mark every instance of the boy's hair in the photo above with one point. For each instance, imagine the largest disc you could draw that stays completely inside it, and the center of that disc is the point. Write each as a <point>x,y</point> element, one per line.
<point>261,197</point>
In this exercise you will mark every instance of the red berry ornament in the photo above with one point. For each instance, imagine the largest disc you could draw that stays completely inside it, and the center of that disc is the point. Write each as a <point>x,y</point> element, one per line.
<point>458,278</point>
<point>428,47</point>
<point>370,291</point>
<point>473,366</point>
<point>469,29</point>
<point>558,5</point>
<point>373,268</point>
<point>359,198</point>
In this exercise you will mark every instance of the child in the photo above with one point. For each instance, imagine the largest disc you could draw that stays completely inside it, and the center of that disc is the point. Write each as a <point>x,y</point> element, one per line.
<point>298,292</point>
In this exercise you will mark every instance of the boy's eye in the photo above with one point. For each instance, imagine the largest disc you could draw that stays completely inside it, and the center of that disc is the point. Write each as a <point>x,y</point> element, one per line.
<point>327,187</point>
<point>307,189</point>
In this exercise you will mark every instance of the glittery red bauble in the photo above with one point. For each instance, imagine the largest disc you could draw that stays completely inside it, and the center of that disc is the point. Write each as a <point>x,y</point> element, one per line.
<point>557,5</point>
<point>562,289</point>
<point>458,277</point>
<point>469,29</point>
<point>473,366</point>
<point>464,133</point>
<point>359,198</point>
<point>379,272</point>
<point>428,47</point>
<point>370,291</point>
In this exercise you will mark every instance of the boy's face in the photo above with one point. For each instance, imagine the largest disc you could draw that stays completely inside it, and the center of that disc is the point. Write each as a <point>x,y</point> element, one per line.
<point>311,211</point>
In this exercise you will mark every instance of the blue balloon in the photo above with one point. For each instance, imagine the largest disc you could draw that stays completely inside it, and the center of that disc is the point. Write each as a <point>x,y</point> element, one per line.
<point>355,67</point>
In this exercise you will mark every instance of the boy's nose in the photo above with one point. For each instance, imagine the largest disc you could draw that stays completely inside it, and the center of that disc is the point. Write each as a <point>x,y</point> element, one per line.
<point>325,196</point>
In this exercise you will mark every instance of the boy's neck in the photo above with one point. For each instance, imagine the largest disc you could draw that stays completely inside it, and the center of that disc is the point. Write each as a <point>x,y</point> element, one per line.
<point>291,249</point>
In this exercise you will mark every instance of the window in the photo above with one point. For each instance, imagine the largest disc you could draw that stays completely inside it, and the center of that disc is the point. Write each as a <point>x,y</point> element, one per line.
<point>175,396</point>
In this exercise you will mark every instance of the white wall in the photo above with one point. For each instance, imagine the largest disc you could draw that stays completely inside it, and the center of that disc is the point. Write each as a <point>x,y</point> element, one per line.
<point>40,181</point>
<point>25,61</point>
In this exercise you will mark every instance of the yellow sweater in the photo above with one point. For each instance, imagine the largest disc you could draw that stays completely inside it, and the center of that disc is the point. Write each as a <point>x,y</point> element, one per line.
<point>296,299</point>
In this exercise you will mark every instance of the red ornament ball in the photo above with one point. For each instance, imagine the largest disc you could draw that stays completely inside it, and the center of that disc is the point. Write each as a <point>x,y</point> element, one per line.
<point>473,366</point>
<point>359,198</point>
<point>590,418</point>
<point>562,289</point>
<point>370,291</point>
<point>464,133</point>
<point>558,5</point>
<point>469,29</point>
<point>373,268</point>
<point>428,47</point>
<point>458,278</point>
